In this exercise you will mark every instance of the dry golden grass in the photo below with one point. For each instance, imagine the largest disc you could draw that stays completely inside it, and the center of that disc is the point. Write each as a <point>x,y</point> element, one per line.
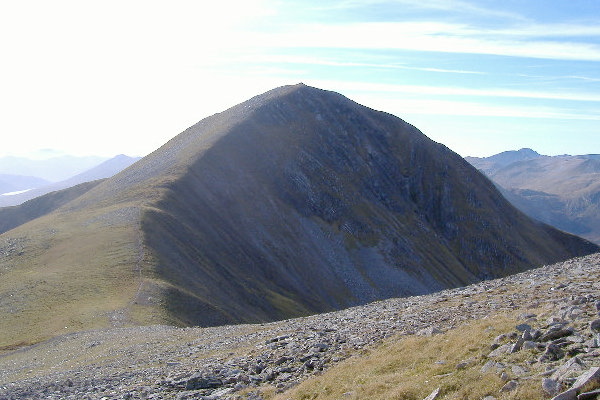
<point>411,367</point>
<point>68,278</point>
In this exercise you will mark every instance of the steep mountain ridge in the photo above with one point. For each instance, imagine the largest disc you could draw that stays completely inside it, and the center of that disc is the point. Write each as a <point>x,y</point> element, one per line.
<point>317,203</point>
<point>295,202</point>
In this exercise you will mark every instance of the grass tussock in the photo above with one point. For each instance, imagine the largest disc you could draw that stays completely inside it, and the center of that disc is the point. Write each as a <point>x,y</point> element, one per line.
<point>412,367</point>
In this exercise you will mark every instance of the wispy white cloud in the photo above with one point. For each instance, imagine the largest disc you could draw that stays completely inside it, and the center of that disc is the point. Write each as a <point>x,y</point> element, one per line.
<point>432,107</point>
<point>431,100</point>
<point>427,36</point>
<point>464,7</point>
<point>555,78</point>
<point>292,59</point>
<point>480,92</point>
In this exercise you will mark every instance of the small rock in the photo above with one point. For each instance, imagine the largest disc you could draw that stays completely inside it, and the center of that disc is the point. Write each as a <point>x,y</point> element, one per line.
<point>462,365</point>
<point>498,340</point>
<point>509,386</point>
<point>570,394</point>
<point>433,395</point>
<point>518,370</point>
<point>529,345</point>
<point>591,377</point>
<point>197,381</point>
<point>516,346</point>
<point>551,386</point>
<point>504,349</point>
<point>554,320</point>
<point>571,368</point>
<point>431,331</point>
<point>579,300</point>
<point>218,394</point>
<point>552,353</point>
<point>523,327</point>
<point>556,332</point>
<point>320,347</point>
<point>593,395</point>
<point>527,316</point>
<point>492,365</point>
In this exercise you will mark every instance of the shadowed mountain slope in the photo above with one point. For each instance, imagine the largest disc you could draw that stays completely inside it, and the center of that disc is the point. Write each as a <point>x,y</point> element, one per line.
<point>297,201</point>
<point>313,202</point>
<point>563,191</point>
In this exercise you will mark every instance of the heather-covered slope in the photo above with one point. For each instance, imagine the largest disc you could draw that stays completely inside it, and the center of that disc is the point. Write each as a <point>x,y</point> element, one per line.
<point>294,202</point>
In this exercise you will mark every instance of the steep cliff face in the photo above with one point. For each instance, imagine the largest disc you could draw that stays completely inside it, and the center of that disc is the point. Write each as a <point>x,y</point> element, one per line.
<point>311,202</point>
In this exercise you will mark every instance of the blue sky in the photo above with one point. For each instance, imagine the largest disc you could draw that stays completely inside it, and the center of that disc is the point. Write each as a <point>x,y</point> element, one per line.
<point>480,76</point>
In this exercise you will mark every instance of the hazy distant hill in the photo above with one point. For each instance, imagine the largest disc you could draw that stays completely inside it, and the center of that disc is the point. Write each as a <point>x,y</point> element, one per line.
<point>11,217</point>
<point>52,169</point>
<point>104,170</point>
<point>296,201</point>
<point>14,183</point>
<point>490,165</point>
<point>563,191</point>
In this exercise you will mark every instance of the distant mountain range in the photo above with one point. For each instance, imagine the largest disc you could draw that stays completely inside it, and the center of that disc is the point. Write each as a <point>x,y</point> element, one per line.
<point>52,169</point>
<point>14,183</point>
<point>563,191</point>
<point>296,201</point>
<point>37,186</point>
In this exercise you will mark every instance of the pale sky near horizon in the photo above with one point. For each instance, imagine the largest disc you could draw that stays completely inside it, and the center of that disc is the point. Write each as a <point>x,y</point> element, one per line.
<point>480,76</point>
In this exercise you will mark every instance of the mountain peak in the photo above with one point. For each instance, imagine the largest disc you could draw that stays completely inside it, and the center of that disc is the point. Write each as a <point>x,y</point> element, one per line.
<point>296,201</point>
<point>527,151</point>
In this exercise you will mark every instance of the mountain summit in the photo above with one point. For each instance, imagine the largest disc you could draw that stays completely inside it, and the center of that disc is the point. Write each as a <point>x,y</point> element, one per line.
<point>296,201</point>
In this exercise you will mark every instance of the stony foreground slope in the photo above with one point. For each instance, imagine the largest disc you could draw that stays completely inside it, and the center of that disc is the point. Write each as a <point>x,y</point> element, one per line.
<point>551,307</point>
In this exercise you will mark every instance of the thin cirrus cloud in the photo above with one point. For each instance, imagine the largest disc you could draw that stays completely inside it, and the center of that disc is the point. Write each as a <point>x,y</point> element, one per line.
<point>443,37</point>
<point>483,92</point>
<point>320,61</point>
<point>428,103</point>
<point>431,5</point>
